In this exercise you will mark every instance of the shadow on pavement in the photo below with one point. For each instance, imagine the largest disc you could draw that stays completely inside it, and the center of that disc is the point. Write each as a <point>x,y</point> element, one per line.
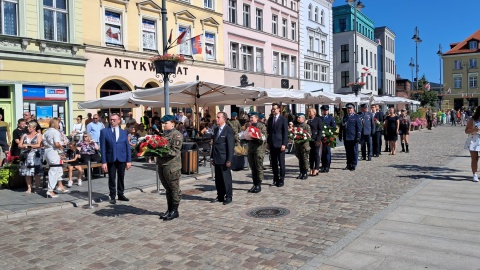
<point>417,168</point>
<point>439,177</point>
<point>117,210</point>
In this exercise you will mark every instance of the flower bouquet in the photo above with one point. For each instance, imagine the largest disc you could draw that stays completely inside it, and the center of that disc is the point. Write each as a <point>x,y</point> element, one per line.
<point>298,135</point>
<point>168,57</point>
<point>329,136</point>
<point>154,145</point>
<point>378,125</point>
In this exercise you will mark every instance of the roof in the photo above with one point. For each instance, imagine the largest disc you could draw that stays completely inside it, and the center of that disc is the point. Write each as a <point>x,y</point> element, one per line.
<point>463,47</point>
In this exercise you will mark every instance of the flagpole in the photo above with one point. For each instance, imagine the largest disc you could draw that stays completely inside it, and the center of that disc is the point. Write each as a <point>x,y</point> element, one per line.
<point>165,50</point>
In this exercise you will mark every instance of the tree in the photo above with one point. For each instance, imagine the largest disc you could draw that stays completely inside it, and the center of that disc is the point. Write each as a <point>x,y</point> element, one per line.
<point>427,97</point>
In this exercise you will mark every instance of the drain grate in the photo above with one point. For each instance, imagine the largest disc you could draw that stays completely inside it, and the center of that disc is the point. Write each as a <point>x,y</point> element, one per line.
<point>268,212</point>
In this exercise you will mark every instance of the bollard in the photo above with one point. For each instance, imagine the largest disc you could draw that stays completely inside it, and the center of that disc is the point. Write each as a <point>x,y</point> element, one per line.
<point>89,177</point>
<point>159,189</point>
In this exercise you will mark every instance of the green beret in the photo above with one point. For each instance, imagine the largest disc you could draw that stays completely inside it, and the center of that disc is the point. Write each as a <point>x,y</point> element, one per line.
<point>261,116</point>
<point>167,118</point>
<point>254,113</point>
<point>234,114</point>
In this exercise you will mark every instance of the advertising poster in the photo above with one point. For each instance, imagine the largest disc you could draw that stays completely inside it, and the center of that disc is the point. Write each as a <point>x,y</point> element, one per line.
<point>113,32</point>
<point>44,114</point>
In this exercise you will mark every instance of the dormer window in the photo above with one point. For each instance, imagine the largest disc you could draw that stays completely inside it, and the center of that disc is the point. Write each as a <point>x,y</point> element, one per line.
<point>473,45</point>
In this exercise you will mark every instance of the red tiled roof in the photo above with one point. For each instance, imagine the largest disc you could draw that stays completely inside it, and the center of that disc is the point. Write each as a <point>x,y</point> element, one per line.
<point>462,47</point>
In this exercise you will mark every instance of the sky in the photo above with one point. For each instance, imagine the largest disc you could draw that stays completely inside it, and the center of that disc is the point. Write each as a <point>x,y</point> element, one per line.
<point>439,22</point>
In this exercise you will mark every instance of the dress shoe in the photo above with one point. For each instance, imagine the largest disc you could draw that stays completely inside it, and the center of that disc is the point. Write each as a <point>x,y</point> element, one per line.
<point>369,159</point>
<point>252,189</point>
<point>274,183</point>
<point>227,201</point>
<point>280,184</point>
<point>304,176</point>
<point>113,201</point>
<point>300,176</point>
<point>347,168</point>
<point>326,170</point>
<point>216,200</point>
<point>51,194</point>
<point>322,170</point>
<point>363,158</point>
<point>352,168</point>
<point>123,198</point>
<point>256,189</point>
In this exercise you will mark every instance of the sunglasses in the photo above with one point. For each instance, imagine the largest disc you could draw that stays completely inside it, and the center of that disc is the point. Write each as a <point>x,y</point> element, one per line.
<point>85,136</point>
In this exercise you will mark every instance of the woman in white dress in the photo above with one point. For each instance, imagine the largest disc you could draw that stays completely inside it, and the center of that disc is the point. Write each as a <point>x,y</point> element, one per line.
<point>53,149</point>
<point>473,141</point>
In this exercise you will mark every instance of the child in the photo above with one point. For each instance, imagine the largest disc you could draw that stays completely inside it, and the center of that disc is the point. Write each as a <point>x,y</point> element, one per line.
<point>133,139</point>
<point>72,158</point>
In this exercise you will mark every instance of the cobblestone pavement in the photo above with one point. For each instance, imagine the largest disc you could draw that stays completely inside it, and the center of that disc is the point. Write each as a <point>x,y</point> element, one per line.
<point>323,210</point>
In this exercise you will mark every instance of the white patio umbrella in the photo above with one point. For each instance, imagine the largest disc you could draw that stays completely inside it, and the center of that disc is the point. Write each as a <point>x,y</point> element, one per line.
<point>122,100</point>
<point>394,100</point>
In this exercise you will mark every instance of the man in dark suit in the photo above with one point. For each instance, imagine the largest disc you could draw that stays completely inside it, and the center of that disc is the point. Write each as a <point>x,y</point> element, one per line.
<point>277,130</point>
<point>222,156</point>
<point>116,157</point>
<point>377,135</point>
<point>350,133</point>
<point>328,121</point>
<point>316,125</point>
<point>368,129</point>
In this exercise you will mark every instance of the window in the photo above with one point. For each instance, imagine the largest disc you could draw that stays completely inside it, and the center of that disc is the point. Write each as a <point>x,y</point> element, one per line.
<point>317,45</point>
<point>472,63</point>
<point>366,57</point>
<point>375,62</point>
<point>308,71</point>
<point>275,63</point>
<point>457,64</point>
<point>310,43</point>
<point>259,16</point>
<point>247,58</point>
<point>322,14</point>
<point>342,24</point>
<point>149,34</point>
<point>294,31</point>
<point>316,14</point>
<point>284,2</point>
<point>234,55</point>
<point>345,77</point>
<point>472,81</point>
<point>315,72</point>
<point>284,65</point>
<point>55,17</point>
<point>473,45</point>
<point>9,17</point>
<point>284,28</point>
<point>275,24</point>
<point>323,74</point>
<point>310,12</point>
<point>322,49</point>
<point>210,46</point>
<point>361,56</point>
<point>246,15</point>
<point>259,60</point>
<point>113,28</point>
<point>344,51</point>
<point>371,60</point>
<point>457,81</point>
<point>293,67</point>
<point>208,4</point>
<point>185,48</point>
<point>232,11</point>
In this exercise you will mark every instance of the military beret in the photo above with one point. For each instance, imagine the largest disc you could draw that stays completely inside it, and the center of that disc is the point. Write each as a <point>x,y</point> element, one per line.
<point>325,107</point>
<point>234,114</point>
<point>350,105</point>
<point>167,118</point>
<point>253,113</point>
<point>300,114</point>
<point>364,105</point>
<point>261,116</point>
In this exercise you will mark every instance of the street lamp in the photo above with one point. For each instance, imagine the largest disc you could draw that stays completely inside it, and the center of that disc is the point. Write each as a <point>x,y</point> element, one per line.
<point>440,53</point>
<point>417,40</point>
<point>411,65</point>
<point>467,67</point>
<point>357,6</point>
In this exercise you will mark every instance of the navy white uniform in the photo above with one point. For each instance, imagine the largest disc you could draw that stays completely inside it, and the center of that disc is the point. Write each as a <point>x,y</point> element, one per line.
<point>328,121</point>
<point>351,132</point>
<point>368,129</point>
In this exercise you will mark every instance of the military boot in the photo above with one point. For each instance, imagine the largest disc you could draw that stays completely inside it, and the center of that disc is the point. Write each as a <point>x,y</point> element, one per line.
<point>169,203</point>
<point>172,214</point>
<point>304,174</point>
<point>406,145</point>
<point>300,175</point>
<point>403,147</point>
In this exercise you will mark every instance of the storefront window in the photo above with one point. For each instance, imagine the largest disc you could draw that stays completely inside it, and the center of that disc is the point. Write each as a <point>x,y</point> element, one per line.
<point>113,88</point>
<point>45,103</point>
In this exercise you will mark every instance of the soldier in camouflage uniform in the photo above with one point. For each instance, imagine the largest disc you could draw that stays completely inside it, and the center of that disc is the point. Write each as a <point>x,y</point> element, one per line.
<point>235,125</point>
<point>169,167</point>
<point>256,153</point>
<point>302,149</point>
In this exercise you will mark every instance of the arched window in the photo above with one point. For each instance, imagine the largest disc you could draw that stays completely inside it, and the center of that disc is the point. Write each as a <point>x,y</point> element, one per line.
<point>321,17</point>
<point>110,88</point>
<point>316,14</point>
<point>310,11</point>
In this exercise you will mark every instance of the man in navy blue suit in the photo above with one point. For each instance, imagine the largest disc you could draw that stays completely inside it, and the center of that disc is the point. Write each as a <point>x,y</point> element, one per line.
<point>368,129</point>
<point>116,157</point>
<point>328,121</point>
<point>277,140</point>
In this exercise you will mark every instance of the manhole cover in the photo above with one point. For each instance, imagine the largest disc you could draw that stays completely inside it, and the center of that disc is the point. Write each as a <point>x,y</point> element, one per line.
<point>268,212</point>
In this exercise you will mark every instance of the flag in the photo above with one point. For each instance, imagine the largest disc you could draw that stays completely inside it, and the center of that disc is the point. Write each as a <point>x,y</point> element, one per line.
<point>180,38</point>
<point>379,42</point>
<point>197,44</point>
<point>365,68</point>
<point>427,86</point>
<point>170,37</point>
<point>449,91</point>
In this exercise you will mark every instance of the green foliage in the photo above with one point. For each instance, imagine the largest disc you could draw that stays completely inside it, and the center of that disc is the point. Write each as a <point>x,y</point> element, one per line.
<point>4,176</point>
<point>428,98</point>
<point>415,115</point>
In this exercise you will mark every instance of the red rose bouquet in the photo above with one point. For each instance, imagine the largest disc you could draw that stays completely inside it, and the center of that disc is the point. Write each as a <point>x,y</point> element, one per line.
<point>329,136</point>
<point>298,135</point>
<point>153,146</point>
<point>378,125</point>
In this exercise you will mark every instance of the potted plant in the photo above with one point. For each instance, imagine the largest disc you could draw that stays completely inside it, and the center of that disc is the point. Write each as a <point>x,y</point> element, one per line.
<point>167,63</point>
<point>356,86</point>
<point>9,175</point>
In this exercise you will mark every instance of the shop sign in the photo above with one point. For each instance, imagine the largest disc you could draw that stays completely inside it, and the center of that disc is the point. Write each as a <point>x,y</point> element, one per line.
<point>36,92</point>
<point>137,65</point>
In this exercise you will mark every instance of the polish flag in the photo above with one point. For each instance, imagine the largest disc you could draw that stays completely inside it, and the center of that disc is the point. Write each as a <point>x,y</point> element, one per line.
<point>427,87</point>
<point>182,35</point>
<point>449,91</point>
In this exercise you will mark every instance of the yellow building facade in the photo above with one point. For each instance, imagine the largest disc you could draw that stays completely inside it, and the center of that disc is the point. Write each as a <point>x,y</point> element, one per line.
<point>124,34</point>
<point>42,59</point>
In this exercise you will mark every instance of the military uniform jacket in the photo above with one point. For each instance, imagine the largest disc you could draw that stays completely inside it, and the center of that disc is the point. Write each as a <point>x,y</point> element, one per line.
<point>368,123</point>
<point>316,125</point>
<point>255,143</point>
<point>236,127</point>
<point>305,127</point>
<point>351,128</point>
<point>173,158</point>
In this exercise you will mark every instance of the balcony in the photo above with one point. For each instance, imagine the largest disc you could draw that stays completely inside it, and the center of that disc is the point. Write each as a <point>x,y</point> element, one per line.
<point>316,55</point>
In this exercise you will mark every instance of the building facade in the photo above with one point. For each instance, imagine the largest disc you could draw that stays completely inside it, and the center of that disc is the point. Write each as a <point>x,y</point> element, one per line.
<point>261,43</point>
<point>42,60</point>
<point>354,52</point>
<point>316,45</point>
<point>386,61</point>
<point>460,73</point>
<point>125,34</point>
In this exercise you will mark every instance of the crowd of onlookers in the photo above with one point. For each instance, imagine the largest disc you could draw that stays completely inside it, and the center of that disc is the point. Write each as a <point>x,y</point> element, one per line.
<point>454,117</point>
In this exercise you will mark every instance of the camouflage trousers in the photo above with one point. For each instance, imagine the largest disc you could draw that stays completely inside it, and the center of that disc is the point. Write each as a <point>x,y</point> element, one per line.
<point>170,178</point>
<point>255,161</point>
<point>302,151</point>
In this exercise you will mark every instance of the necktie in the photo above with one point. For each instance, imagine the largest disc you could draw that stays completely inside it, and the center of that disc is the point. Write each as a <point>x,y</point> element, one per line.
<point>274,121</point>
<point>219,131</point>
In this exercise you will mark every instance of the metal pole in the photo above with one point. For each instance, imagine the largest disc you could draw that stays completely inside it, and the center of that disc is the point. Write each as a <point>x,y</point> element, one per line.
<point>164,37</point>
<point>355,53</point>
<point>416,61</point>
<point>89,177</point>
